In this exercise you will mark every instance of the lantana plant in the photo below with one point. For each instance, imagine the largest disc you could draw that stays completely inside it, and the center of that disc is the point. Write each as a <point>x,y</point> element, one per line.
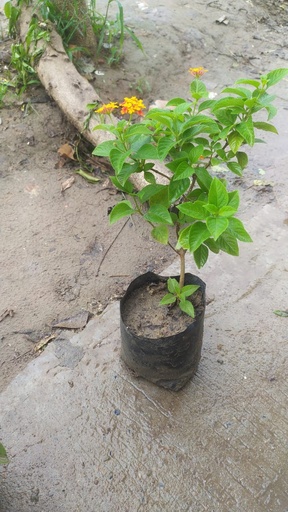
<point>191,138</point>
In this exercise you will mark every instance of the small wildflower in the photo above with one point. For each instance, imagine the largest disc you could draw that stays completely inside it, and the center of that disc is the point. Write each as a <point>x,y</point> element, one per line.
<point>107,108</point>
<point>132,106</point>
<point>198,72</point>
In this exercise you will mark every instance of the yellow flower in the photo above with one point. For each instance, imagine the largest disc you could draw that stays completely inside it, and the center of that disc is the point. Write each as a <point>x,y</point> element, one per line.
<point>197,72</point>
<point>107,108</point>
<point>132,106</point>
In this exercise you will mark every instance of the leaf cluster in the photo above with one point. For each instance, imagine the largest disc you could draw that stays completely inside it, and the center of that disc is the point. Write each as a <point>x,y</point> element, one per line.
<point>191,138</point>
<point>179,295</point>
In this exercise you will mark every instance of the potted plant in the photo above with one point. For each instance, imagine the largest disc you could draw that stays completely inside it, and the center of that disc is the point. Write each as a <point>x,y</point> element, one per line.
<point>188,206</point>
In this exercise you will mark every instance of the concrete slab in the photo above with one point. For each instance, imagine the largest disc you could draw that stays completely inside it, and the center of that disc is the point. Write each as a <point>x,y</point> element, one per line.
<point>83,434</point>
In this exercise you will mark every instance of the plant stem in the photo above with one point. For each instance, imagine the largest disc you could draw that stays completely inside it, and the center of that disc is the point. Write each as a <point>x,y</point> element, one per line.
<point>182,253</point>
<point>161,174</point>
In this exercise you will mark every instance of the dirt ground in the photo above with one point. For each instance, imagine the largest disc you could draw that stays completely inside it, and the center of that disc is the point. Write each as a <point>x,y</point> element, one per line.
<point>58,255</point>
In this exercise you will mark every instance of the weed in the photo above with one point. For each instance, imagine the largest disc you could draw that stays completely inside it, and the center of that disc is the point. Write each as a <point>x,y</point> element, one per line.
<point>111,34</point>
<point>12,13</point>
<point>142,86</point>
<point>66,25</point>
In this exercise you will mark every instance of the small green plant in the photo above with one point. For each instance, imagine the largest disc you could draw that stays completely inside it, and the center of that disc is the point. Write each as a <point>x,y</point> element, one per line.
<point>66,25</point>
<point>24,55</point>
<point>192,210</point>
<point>110,34</point>
<point>179,295</point>
<point>12,14</point>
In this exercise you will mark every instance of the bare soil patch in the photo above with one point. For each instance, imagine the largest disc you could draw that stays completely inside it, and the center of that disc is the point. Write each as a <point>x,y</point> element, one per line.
<point>58,255</point>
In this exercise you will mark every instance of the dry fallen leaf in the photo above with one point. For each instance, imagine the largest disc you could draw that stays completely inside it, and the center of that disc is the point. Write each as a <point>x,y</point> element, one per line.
<point>7,312</point>
<point>66,151</point>
<point>74,322</point>
<point>67,183</point>
<point>43,342</point>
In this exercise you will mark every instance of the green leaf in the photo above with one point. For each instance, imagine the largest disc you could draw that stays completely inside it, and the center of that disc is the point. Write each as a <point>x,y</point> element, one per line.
<point>254,83</point>
<point>3,455</point>
<point>173,286</point>
<point>149,177</point>
<point>198,233</point>
<point>201,256</point>
<point>237,229</point>
<point>226,117</point>
<point>117,159</point>
<point>234,199</point>
<point>169,298</point>
<point>246,130</point>
<point>87,176</point>
<point>282,313</point>
<point>182,108</point>
<point>203,178</point>
<point>187,307</point>
<point>267,127</point>
<point>147,151</point>
<point>239,91</point>
<point>161,234</point>
<point>104,148</point>
<point>228,243</point>
<point>162,116</point>
<point>150,190</point>
<point>158,214</point>
<point>235,141</point>
<point>106,128</point>
<point>207,104</point>
<point>177,188</point>
<point>242,159</point>
<point>137,142</point>
<point>189,289</point>
<point>212,245</point>
<point>126,172</point>
<point>272,111</point>
<point>161,197</point>
<point>175,102</point>
<point>198,89</point>
<point>226,211</point>
<point>275,76</point>
<point>137,129</point>
<point>122,209</point>
<point>164,146</point>
<point>217,226</point>
<point>218,194</point>
<point>127,188</point>
<point>235,168</point>
<point>184,170</point>
<point>211,208</point>
<point>229,101</point>
<point>195,154</point>
<point>7,9</point>
<point>195,210</point>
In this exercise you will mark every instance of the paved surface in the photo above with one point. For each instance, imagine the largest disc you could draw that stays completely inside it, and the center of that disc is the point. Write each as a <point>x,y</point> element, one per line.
<point>84,435</point>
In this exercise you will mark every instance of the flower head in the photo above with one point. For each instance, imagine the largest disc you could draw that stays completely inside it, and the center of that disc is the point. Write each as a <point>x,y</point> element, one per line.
<point>198,72</point>
<point>107,108</point>
<point>132,106</point>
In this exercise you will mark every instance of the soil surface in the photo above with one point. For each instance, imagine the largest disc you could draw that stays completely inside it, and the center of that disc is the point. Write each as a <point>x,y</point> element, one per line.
<point>59,256</point>
<point>144,316</point>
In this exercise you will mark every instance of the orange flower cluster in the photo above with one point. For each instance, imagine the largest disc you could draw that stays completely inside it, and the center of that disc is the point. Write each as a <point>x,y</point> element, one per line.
<point>129,106</point>
<point>132,106</point>
<point>198,72</point>
<point>107,108</point>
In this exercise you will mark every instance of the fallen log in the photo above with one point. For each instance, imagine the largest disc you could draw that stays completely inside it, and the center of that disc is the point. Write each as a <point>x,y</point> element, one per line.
<point>71,91</point>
